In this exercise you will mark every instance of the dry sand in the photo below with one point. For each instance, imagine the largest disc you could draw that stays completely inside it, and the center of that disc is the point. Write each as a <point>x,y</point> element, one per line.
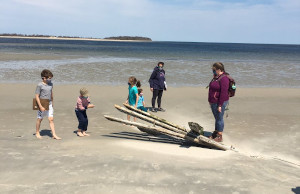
<point>263,125</point>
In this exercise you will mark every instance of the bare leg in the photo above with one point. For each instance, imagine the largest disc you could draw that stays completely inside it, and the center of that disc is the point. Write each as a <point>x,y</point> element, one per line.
<point>51,122</point>
<point>37,126</point>
<point>128,118</point>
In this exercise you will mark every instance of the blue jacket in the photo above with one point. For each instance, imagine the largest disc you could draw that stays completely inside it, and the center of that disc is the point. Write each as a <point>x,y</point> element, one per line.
<point>157,79</point>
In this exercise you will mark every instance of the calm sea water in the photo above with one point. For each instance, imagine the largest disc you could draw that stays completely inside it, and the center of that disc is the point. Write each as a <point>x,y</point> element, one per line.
<point>111,63</point>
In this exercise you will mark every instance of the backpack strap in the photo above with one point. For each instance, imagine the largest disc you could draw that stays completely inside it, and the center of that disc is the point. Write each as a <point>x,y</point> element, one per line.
<point>213,79</point>
<point>221,76</point>
<point>217,79</point>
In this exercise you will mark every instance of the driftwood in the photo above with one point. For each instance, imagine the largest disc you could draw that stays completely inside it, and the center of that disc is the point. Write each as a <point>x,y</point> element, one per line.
<point>148,119</point>
<point>161,126</point>
<point>147,127</point>
<point>202,141</point>
<point>154,117</point>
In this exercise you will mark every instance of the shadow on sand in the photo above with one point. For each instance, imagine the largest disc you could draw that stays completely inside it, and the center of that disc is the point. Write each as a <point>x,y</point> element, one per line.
<point>156,139</point>
<point>45,132</point>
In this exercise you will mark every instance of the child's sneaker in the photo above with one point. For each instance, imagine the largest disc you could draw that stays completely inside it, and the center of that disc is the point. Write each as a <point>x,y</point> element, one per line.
<point>161,109</point>
<point>153,110</point>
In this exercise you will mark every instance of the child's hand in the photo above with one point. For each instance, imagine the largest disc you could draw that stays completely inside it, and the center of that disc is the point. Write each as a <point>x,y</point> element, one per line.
<point>126,102</point>
<point>42,109</point>
<point>91,106</point>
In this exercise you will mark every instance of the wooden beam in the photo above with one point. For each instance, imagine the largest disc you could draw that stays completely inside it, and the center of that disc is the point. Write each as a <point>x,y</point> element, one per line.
<point>149,119</point>
<point>202,140</point>
<point>155,117</point>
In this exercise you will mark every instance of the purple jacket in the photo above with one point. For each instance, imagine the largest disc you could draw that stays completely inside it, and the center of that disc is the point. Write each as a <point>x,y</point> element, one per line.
<point>218,90</point>
<point>157,79</point>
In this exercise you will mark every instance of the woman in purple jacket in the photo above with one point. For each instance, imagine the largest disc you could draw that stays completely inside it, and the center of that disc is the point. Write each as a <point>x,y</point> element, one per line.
<point>218,98</point>
<point>157,85</point>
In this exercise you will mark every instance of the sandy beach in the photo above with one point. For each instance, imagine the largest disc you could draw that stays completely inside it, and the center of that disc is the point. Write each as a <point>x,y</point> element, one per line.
<point>263,125</point>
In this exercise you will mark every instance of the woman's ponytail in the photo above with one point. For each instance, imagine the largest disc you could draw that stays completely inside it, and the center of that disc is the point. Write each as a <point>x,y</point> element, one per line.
<point>138,83</point>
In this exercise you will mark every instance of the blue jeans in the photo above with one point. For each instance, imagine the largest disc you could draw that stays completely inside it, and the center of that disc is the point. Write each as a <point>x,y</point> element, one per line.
<point>219,122</point>
<point>82,119</point>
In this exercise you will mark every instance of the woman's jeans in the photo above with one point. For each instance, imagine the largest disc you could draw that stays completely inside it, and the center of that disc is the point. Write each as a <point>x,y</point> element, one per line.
<point>219,122</point>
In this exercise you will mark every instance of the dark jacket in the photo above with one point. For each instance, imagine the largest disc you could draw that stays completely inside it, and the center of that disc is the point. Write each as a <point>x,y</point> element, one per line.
<point>218,90</point>
<point>157,79</point>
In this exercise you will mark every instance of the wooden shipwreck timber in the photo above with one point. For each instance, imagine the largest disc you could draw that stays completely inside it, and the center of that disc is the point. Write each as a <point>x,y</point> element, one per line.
<point>160,126</point>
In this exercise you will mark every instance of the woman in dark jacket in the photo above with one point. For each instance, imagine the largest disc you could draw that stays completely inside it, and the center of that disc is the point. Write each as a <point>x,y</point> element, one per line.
<point>157,85</point>
<point>218,98</point>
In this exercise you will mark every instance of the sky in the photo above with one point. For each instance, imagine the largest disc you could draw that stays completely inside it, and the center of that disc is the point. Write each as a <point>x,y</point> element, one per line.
<point>230,21</point>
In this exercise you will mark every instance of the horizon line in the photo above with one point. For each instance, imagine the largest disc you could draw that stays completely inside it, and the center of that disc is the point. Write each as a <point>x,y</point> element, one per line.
<point>63,37</point>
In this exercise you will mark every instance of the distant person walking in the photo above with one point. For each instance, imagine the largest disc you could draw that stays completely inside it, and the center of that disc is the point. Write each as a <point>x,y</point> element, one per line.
<point>44,93</point>
<point>133,96</point>
<point>157,86</point>
<point>218,98</point>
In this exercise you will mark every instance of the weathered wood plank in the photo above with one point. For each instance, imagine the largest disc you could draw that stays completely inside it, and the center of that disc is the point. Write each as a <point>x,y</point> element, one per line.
<point>202,140</point>
<point>155,117</point>
<point>149,119</point>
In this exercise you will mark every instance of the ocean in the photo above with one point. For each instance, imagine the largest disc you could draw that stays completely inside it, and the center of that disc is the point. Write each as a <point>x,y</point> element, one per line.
<point>187,64</point>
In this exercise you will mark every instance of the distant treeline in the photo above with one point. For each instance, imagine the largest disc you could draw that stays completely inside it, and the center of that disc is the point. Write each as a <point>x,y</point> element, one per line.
<point>128,38</point>
<point>49,36</point>
<point>36,35</point>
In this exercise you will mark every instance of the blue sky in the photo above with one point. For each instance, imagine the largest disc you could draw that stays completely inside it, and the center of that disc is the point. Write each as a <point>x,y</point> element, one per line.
<point>249,21</point>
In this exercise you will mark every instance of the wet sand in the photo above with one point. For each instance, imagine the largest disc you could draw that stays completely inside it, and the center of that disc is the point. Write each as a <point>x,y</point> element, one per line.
<point>263,125</point>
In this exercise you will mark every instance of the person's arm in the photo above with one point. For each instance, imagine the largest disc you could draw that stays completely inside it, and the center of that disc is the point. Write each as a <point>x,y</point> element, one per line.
<point>90,105</point>
<point>144,104</point>
<point>126,102</point>
<point>165,83</point>
<point>37,97</point>
<point>224,85</point>
<point>152,77</point>
<point>137,99</point>
<point>52,97</point>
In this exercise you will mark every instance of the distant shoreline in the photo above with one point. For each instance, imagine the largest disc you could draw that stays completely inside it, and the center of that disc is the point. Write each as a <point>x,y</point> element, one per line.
<point>62,38</point>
